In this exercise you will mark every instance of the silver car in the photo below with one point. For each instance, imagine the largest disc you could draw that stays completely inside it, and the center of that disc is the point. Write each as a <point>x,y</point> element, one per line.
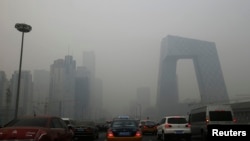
<point>173,127</point>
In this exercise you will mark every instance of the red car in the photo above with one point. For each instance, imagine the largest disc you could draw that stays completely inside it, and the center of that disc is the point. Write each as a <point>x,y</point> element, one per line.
<point>148,126</point>
<point>36,128</point>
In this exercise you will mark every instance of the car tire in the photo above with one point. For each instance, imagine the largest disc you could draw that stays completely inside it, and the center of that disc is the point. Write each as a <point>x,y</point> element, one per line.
<point>203,136</point>
<point>163,137</point>
<point>188,138</point>
<point>158,136</point>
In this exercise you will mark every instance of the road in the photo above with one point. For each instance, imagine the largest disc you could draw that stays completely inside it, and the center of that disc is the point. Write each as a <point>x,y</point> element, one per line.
<point>147,137</point>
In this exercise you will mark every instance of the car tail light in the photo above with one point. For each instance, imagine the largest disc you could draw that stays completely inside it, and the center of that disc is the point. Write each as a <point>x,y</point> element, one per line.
<point>110,133</point>
<point>188,125</point>
<point>168,125</point>
<point>1,134</point>
<point>138,134</point>
<point>234,120</point>
<point>207,120</point>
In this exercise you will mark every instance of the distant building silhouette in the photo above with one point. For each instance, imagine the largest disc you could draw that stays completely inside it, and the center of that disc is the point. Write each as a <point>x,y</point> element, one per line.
<point>95,95</point>
<point>25,106</point>
<point>4,99</point>
<point>143,100</point>
<point>207,67</point>
<point>82,94</point>
<point>62,87</point>
<point>41,79</point>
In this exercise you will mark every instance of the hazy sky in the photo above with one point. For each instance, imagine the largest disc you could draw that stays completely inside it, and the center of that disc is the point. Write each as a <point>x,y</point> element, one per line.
<point>125,36</point>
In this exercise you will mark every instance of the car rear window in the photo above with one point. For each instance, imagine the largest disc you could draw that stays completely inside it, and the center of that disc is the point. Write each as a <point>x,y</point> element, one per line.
<point>220,116</point>
<point>124,123</point>
<point>177,120</point>
<point>150,123</point>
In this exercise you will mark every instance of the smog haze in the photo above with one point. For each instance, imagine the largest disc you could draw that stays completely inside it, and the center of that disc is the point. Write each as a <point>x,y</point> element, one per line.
<point>125,36</point>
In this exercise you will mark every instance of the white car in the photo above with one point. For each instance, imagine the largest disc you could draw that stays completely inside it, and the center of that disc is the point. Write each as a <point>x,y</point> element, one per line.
<point>173,127</point>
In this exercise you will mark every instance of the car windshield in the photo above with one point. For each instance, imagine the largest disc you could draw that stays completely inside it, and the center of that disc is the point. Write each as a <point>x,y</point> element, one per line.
<point>35,122</point>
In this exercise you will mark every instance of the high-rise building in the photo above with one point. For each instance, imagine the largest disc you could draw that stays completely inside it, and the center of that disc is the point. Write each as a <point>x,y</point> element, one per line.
<point>3,86</point>
<point>82,94</point>
<point>4,99</point>
<point>98,98</point>
<point>41,80</point>
<point>69,87</point>
<point>62,87</point>
<point>207,67</point>
<point>95,94</point>
<point>89,62</point>
<point>25,104</point>
<point>56,89</point>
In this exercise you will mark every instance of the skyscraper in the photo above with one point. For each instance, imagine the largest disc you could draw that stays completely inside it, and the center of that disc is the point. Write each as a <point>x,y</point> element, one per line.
<point>89,63</point>
<point>26,94</point>
<point>4,99</point>
<point>62,87</point>
<point>207,67</point>
<point>41,80</point>
<point>82,94</point>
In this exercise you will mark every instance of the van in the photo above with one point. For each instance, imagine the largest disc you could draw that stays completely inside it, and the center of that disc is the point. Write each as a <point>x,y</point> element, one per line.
<point>201,117</point>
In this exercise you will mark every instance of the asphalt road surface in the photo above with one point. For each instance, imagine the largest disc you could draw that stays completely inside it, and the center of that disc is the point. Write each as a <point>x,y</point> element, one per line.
<point>147,137</point>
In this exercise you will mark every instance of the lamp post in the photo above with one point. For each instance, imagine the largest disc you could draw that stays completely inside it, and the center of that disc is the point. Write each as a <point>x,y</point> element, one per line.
<point>24,28</point>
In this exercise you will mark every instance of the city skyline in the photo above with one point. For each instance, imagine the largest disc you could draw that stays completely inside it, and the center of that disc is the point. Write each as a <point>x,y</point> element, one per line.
<point>126,38</point>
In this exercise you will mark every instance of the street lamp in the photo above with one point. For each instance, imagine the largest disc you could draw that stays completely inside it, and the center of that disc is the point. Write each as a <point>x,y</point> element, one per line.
<point>24,28</point>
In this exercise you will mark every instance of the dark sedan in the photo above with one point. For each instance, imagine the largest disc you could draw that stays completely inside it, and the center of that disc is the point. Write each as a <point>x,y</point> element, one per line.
<point>124,130</point>
<point>86,129</point>
<point>38,128</point>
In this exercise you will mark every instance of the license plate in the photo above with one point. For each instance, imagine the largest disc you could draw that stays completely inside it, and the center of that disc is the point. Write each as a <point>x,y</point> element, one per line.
<point>124,133</point>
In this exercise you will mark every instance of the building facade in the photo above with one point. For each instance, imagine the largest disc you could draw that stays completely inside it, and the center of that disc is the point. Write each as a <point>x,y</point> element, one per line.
<point>25,104</point>
<point>207,66</point>
<point>62,87</point>
<point>41,79</point>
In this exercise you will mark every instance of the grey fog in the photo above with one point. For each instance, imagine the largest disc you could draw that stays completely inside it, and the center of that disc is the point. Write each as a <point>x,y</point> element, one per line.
<point>125,37</point>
